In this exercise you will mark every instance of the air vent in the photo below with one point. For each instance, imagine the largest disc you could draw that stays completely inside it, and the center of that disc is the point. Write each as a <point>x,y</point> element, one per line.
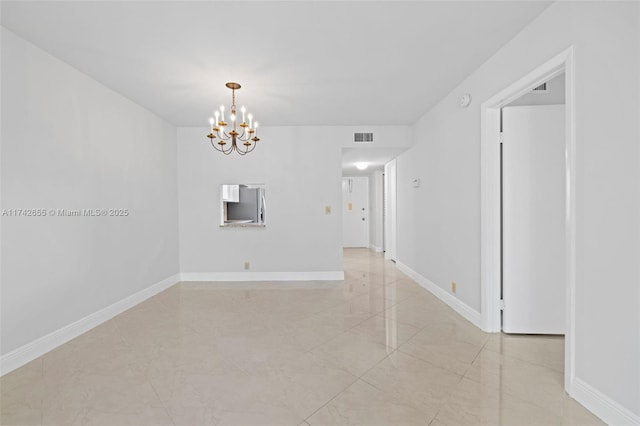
<point>541,88</point>
<point>363,137</point>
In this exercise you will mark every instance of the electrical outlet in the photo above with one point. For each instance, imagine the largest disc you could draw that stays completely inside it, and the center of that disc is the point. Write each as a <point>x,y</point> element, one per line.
<point>453,286</point>
<point>247,266</point>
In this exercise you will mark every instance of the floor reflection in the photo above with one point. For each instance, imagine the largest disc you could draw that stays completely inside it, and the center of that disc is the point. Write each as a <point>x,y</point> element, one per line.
<point>374,349</point>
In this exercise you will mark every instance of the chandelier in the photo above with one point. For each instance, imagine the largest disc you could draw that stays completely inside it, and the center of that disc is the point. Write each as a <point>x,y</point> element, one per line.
<point>243,141</point>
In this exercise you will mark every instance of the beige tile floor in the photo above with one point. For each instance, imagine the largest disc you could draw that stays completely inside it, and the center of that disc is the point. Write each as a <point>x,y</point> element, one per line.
<point>374,349</point>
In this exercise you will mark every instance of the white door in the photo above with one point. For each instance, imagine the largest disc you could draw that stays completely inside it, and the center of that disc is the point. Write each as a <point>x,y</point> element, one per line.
<point>533,197</point>
<point>355,212</point>
<point>390,239</point>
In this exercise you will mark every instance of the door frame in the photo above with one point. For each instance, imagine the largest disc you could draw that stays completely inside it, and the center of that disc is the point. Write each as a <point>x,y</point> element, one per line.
<point>376,211</point>
<point>390,224</point>
<point>384,212</point>
<point>490,246</point>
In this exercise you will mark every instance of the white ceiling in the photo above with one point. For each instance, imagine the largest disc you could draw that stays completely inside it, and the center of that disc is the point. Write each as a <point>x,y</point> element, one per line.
<point>300,62</point>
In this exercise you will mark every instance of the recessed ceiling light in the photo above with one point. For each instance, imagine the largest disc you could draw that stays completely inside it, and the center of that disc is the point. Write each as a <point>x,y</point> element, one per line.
<point>361,166</point>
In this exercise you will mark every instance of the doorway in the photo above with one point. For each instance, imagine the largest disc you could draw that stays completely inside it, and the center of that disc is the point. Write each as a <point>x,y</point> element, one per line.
<point>491,242</point>
<point>532,199</point>
<point>355,212</point>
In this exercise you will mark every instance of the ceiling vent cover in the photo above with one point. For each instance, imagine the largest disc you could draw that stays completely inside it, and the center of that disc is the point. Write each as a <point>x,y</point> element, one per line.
<point>541,88</point>
<point>363,137</point>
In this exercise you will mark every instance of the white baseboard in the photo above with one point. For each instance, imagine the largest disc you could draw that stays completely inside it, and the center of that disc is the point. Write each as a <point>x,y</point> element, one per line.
<point>602,406</point>
<point>375,248</point>
<point>456,304</point>
<point>27,353</point>
<point>262,276</point>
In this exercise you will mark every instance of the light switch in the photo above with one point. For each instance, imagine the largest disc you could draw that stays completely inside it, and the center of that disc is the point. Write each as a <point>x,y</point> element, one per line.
<point>327,209</point>
<point>350,206</point>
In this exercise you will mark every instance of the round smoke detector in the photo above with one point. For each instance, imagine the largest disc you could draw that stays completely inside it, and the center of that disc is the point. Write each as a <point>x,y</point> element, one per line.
<point>465,100</point>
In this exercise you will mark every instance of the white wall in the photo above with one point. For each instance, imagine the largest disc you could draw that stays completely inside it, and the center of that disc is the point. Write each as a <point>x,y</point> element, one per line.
<point>439,224</point>
<point>301,168</point>
<point>301,178</point>
<point>375,210</point>
<point>70,143</point>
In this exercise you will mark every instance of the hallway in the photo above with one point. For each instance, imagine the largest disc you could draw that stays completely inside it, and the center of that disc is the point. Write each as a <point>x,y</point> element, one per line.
<point>374,349</point>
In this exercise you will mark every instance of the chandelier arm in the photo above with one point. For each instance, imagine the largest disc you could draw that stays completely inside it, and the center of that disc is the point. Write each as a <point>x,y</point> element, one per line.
<point>248,135</point>
<point>240,151</point>
<point>221,148</point>
<point>213,144</point>
<point>249,148</point>
<point>224,135</point>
